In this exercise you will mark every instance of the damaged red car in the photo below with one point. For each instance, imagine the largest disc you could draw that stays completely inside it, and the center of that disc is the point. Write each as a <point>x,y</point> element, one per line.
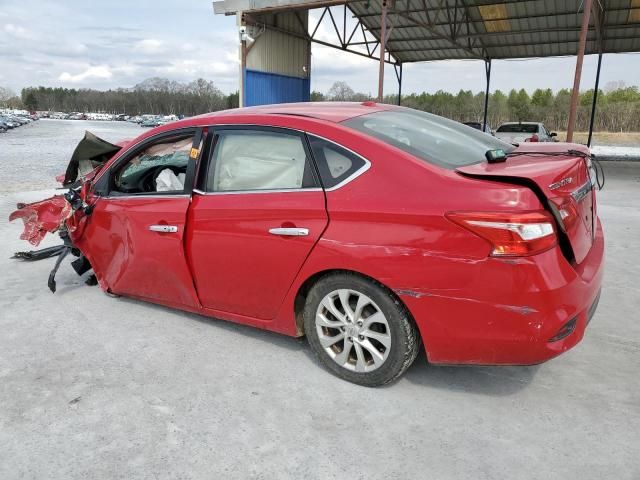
<point>374,230</point>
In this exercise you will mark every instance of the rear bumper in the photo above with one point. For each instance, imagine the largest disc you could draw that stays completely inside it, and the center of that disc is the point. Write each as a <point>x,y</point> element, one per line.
<point>511,311</point>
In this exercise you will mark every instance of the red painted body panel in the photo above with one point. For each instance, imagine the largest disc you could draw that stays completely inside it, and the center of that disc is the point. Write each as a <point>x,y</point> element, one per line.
<point>42,217</point>
<point>547,172</point>
<point>131,260</point>
<point>238,266</point>
<point>389,224</point>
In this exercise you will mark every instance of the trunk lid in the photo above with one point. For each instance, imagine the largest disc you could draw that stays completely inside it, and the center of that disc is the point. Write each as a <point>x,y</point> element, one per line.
<point>513,137</point>
<point>560,175</point>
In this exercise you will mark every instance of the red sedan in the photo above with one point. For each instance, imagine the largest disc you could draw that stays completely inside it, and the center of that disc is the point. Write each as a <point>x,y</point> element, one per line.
<point>369,228</point>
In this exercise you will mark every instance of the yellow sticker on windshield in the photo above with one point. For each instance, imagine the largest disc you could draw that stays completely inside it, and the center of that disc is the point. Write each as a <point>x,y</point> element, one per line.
<point>194,153</point>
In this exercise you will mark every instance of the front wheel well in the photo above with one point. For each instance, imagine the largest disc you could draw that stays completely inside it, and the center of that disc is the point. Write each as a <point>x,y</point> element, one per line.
<point>303,292</point>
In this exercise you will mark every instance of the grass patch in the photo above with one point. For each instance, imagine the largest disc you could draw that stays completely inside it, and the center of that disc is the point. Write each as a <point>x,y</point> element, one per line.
<point>604,138</point>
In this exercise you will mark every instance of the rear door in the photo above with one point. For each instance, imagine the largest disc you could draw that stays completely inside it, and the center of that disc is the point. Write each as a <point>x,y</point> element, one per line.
<point>255,218</point>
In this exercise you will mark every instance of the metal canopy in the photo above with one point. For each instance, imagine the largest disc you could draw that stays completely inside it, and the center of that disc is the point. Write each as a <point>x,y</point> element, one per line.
<point>425,30</point>
<point>428,30</point>
<point>406,31</point>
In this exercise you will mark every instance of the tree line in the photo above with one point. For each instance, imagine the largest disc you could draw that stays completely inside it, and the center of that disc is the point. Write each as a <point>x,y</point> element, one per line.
<point>152,96</point>
<point>618,105</point>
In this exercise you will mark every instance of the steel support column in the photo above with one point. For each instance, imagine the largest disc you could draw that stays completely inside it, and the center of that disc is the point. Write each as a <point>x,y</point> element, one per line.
<point>487,70</point>
<point>595,99</point>
<point>586,14</point>
<point>243,73</point>
<point>398,70</point>
<point>383,41</point>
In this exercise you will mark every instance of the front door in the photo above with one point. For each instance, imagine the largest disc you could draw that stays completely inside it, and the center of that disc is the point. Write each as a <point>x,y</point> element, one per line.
<point>258,214</point>
<point>135,235</point>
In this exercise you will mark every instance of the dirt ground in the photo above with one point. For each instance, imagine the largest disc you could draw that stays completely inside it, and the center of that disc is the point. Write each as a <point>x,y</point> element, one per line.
<point>631,139</point>
<point>94,387</point>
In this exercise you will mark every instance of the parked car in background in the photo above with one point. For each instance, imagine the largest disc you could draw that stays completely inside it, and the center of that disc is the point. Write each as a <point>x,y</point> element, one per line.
<point>312,219</point>
<point>19,120</point>
<point>6,121</point>
<point>517,132</point>
<point>99,116</point>
<point>3,127</point>
<point>479,126</point>
<point>13,121</point>
<point>151,122</point>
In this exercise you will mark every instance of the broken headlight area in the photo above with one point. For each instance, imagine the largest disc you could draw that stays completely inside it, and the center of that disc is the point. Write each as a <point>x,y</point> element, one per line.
<point>63,213</point>
<point>60,214</point>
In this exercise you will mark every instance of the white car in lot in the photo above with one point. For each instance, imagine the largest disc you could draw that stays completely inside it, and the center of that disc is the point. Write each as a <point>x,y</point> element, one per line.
<point>518,132</point>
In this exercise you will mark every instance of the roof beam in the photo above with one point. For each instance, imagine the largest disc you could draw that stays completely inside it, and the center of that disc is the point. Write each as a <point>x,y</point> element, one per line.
<point>514,17</point>
<point>231,7</point>
<point>508,45</point>
<point>440,36</point>
<point>475,29</point>
<point>598,17</point>
<point>511,33</point>
<point>250,20</point>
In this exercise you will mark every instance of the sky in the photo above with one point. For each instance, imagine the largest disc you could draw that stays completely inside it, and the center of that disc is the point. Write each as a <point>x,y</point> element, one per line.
<point>118,43</point>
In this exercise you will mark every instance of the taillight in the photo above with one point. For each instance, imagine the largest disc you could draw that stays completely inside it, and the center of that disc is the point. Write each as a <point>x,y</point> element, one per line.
<point>511,234</point>
<point>567,210</point>
<point>532,138</point>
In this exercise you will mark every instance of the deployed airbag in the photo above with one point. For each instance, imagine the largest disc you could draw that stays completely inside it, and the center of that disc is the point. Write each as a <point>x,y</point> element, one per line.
<point>259,161</point>
<point>167,181</point>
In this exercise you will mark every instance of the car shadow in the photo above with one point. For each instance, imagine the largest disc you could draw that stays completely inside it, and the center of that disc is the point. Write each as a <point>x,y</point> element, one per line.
<point>485,380</point>
<point>496,381</point>
<point>274,338</point>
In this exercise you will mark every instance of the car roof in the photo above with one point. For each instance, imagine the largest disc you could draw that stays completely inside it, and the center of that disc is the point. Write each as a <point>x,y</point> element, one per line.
<point>330,111</point>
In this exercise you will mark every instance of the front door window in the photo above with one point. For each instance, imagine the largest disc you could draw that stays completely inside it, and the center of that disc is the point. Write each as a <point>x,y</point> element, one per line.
<point>159,168</point>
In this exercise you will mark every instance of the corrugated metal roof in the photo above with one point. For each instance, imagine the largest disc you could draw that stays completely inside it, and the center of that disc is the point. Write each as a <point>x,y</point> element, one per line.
<point>424,30</point>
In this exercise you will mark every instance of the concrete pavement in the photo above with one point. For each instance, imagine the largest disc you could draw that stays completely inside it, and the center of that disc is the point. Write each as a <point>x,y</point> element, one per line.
<point>100,387</point>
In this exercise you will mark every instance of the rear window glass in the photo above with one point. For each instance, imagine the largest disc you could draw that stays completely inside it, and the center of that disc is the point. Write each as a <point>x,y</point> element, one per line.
<point>518,128</point>
<point>429,137</point>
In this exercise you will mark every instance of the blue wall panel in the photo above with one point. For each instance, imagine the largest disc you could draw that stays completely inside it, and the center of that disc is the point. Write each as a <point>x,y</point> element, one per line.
<point>262,88</point>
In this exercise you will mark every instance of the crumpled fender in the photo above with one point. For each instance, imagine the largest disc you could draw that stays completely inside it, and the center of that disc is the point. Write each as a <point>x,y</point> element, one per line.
<point>40,218</point>
<point>53,214</point>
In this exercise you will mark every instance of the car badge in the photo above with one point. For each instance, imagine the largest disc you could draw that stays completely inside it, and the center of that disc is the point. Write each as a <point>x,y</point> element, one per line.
<point>561,183</point>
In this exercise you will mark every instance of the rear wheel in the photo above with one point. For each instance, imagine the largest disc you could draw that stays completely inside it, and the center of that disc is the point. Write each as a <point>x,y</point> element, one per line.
<point>359,330</point>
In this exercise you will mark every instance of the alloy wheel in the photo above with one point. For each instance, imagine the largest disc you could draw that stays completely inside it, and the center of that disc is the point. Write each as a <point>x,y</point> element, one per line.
<point>353,330</point>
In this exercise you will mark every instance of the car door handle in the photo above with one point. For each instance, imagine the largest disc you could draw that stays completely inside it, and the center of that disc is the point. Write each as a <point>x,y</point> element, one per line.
<point>290,232</point>
<point>163,228</point>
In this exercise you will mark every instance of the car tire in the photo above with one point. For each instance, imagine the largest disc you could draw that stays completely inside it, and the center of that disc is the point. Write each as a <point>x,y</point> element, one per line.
<point>376,330</point>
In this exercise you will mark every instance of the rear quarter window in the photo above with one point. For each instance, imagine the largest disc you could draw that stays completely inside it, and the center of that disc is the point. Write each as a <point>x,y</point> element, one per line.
<point>336,164</point>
